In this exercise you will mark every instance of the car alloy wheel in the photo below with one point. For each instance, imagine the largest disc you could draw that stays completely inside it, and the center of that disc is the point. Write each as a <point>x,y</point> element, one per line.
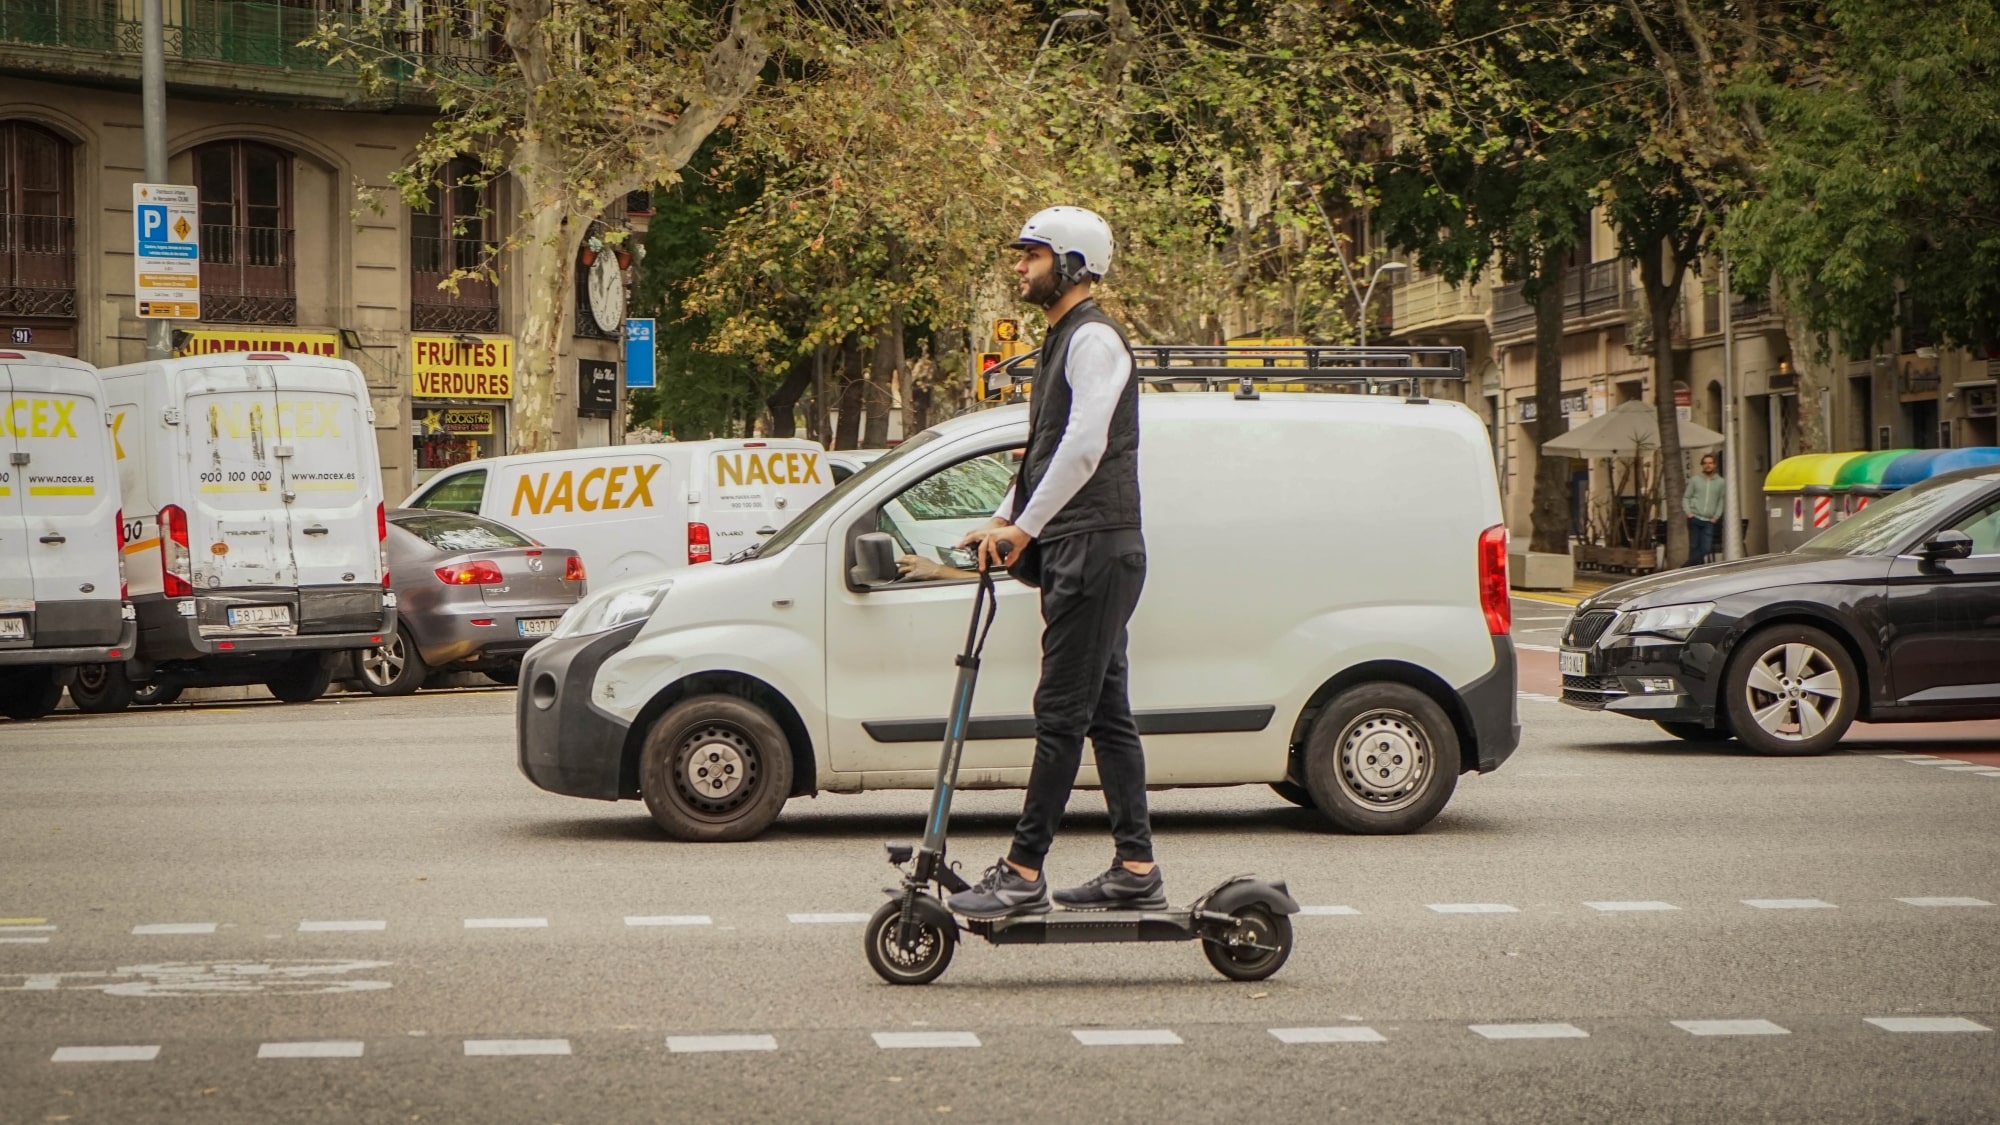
<point>1793,691</point>
<point>383,664</point>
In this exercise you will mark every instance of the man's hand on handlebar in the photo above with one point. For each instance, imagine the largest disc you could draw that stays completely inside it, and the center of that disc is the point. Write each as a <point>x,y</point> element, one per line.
<point>997,544</point>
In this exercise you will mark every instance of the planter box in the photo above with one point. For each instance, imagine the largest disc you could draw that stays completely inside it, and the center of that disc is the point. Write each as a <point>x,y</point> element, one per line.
<point>1537,570</point>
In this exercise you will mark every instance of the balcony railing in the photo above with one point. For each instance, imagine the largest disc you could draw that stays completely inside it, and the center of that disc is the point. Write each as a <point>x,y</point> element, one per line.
<point>37,265</point>
<point>1428,302</point>
<point>248,275</point>
<point>1600,287</point>
<point>476,307</point>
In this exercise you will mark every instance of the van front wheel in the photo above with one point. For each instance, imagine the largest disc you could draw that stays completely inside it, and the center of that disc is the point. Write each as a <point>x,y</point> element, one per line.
<point>100,689</point>
<point>1381,759</point>
<point>715,768</point>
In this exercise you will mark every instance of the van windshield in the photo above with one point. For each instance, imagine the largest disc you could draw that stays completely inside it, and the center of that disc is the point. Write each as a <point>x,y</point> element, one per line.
<point>789,533</point>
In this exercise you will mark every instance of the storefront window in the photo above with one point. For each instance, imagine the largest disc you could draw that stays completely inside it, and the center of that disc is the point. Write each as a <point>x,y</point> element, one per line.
<point>444,436</point>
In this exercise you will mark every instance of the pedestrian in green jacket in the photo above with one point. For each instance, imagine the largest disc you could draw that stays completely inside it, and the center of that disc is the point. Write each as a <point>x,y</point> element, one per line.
<point>1703,503</point>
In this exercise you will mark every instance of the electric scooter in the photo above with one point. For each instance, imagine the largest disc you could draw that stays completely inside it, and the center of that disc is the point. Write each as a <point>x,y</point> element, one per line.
<point>1244,923</point>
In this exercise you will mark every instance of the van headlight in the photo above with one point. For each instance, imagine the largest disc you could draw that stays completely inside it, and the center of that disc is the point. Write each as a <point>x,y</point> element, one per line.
<point>610,610</point>
<point>1676,621</point>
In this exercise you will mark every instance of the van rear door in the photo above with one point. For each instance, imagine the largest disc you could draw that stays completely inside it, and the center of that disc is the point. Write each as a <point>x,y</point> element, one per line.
<point>61,464</point>
<point>17,585</point>
<point>239,531</point>
<point>326,463</point>
<point>755,488</point>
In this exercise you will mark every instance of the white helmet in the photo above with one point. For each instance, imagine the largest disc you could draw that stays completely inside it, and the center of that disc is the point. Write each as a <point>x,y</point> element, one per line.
<point>1070,230</point>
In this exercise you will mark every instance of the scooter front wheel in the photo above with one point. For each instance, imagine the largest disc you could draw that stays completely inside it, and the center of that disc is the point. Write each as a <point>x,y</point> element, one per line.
<point>922,964</point>
<point>1255,947</point>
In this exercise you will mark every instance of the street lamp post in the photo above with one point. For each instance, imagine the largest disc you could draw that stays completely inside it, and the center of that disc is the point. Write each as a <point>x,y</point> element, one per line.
<point>1361,296</point>
<point>1074,15</point>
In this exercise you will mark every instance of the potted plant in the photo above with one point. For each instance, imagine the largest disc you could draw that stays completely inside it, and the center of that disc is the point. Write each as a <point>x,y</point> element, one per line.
<point>592,247</point>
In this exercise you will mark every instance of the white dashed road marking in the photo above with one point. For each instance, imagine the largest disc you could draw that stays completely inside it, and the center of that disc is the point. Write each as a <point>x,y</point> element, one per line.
<point>697,1044</point>
<point>516,1047</point>
<point>668,920</point>
<point>1925,1023</point>
<point>11,929</point>
<point>1538,697</point>
<point>1472,908</point>
<point>152,928</point>
<point>1156,1037</point>
<point>903,1040</point>
<point>1789,903</point>
<point>506,923</point>
<point>1621,907</point>
<point>1327,1035</point>
<point>1913,759</point>
<point>1947,901</point>
<point>341,927</point>
<point>1328,910</point>
<point>1730,1027</point>
<point>1529,1031</point>
<point>330,1049</point>
<point>1968,767</point>
<point>43,940</point>
<point>105,1054</point>
<point>826,919</point>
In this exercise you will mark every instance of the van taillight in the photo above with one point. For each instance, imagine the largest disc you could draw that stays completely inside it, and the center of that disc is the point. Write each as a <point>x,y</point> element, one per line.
<point>573,569</point>
<point>1493,580</point>
<point>124,587</point>
<point>382,541</point>
<point>699,550</point>
<point>476,573</point>
<point>176,569</point>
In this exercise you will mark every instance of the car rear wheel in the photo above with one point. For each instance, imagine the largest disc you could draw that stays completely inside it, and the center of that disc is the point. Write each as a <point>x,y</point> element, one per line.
<point>715,768</point>
<point>29,693</point>
<point>100,689</point>
<point>1381,759</point>
<point>301,680</point>
<point>394,667</point>
<point>155,694</point>
<point>1791,690</point>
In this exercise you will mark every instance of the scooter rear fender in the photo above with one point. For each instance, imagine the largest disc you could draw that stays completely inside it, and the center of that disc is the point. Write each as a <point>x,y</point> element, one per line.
<point>1247,890</point>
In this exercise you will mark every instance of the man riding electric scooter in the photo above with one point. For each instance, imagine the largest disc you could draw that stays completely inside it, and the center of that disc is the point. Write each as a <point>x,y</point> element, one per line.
<point>1070,525</point>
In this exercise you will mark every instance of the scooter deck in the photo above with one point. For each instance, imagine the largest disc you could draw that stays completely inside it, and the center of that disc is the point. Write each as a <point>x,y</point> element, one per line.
<point>1061,927</point>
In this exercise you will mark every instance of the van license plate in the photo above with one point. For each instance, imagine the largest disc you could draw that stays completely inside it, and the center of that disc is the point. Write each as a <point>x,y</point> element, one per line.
<point>1574,663</point>
<point>13,628</point>
<point>537,626</point>
<point>260,615</point>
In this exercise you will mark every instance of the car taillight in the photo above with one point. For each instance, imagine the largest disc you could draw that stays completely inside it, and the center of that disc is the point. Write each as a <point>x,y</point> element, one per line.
<point>176,563</point>
<point>124,587</point>
<point>476,573</point>
<point>382,541</point>
<point>699,550</point>
<point>1493,580</point>
<point>573,569</point>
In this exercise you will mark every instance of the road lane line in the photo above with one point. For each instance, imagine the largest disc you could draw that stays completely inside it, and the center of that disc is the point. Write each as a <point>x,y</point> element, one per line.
<point>825,919</point>
<point>1789,903</point>
<point>1327,1035</point>
<point>105,1054</point>
<point>22,921</point>
<point>1946,901</point>
<point>23,929</point>
<point>341,927</point>
<point>1471,908</point>
<point>1328,911</point>
<point>697,1044</point>
<point>911,1040</point>
<point>1729,1027</point>
<point>24,941</point>
<point>506,923</point>
<point>327,1049</point>
<point>1529,1031</point>
<point>1920,1024</point>
<point>1970,767</point>
<point>668,920</point>
<point>1155,1037</point>
<point>1638,904</point>
<point>1911,757</point>
<point>155,928</point>
<point>497,1047</point>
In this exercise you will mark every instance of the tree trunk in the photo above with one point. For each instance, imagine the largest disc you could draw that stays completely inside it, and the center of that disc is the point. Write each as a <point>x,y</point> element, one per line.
<point>847,427</point>
<point>547,259</point>
<point>917,403</point>
<point>1661,293</point>
<point>1549,514</point>
<point>884,370</point>
<point>1813,361</point>
<point>784,401</point>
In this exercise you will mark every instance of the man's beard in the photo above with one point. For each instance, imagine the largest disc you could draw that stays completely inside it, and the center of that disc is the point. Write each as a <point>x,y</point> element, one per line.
<point>1040,291</point>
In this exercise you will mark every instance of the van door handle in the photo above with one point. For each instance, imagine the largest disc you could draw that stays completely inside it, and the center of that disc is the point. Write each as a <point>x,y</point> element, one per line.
<point>316,530</point>
<point>767,531</point>
<point>54,540</point>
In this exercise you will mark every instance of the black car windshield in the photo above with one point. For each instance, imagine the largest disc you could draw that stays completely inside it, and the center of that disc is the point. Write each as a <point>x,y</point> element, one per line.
<point>789,533</point>
<point>455,531</point>
<point>1891,523</point>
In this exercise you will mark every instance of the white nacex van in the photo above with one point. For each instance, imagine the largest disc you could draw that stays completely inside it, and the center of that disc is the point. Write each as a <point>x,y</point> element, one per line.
<point>62,598</point>
<point>254,521</point>
<point>1325,611</point>
<point>640,509</point>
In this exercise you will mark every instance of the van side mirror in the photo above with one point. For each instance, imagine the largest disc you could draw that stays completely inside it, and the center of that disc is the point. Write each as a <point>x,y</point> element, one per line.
<point>875,560</point>
<point>1947,544</point>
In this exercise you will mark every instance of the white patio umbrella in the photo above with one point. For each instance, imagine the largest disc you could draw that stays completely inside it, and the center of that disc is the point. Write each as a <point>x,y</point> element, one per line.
<point>1625,430</point>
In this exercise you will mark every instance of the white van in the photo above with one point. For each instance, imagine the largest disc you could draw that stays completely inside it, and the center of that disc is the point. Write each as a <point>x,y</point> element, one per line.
<point>62,598</point>
<point>1325,611</point>
<point>254,521</point>
<point>640,509</point>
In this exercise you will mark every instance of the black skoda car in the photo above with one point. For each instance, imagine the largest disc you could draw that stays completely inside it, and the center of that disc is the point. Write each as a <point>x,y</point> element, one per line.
<point>1891,616</point>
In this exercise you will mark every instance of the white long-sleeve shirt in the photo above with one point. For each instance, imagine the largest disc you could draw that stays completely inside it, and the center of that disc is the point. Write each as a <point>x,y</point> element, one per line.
<point>1097,367</point>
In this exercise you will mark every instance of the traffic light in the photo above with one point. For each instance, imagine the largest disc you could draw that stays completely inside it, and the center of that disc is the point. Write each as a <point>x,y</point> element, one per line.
<point>987,362</point>
<point>1006,330</point>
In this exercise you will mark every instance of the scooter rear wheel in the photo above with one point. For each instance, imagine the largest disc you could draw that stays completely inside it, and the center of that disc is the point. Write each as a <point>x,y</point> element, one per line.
<point>922,965</point>
<point>1255,926</point>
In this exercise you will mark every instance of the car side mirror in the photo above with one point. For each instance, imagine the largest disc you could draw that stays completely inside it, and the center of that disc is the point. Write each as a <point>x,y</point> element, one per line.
<point>875,560</point>
<point>1947,544</point>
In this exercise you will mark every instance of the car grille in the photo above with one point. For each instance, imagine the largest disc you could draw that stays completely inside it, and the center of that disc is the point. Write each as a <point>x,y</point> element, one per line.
<point>1592,692</point>
<point>1585,628</point>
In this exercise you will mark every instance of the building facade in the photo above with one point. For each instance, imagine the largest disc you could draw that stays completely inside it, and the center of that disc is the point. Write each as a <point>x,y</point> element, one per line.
<point>305,247</point>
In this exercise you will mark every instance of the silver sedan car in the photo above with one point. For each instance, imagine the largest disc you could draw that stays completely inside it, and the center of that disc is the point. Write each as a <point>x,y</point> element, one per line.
<point>471,595</point>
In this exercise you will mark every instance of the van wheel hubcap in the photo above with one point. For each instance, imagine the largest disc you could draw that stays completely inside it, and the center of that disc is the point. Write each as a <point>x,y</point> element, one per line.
<point>1385,760</point>
<point>1793,691</point>
<point>716,768</point>
<point>383,663</point>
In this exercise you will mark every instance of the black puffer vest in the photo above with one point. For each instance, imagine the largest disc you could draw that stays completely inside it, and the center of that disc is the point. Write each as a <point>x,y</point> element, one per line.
<point>1109,500</point>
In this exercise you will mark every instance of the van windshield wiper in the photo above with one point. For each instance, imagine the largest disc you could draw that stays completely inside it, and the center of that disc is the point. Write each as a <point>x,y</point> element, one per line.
<point>749,552</point>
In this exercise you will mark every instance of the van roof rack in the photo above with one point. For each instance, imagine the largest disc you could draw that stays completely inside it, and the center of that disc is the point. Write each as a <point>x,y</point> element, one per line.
<point>1213,367</point>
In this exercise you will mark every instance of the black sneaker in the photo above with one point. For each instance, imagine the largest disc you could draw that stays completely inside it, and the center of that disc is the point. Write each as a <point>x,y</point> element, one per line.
<point>1118,889</point>
<point>1001,893</point>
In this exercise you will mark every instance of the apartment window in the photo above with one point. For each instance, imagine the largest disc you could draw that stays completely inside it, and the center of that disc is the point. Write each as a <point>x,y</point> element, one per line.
<point>451,233</point>
<point>248,269</point>
<point>37,224</point>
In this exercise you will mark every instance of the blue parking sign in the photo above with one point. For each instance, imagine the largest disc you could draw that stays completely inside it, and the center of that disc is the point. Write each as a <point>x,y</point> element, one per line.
<point>639,353</point>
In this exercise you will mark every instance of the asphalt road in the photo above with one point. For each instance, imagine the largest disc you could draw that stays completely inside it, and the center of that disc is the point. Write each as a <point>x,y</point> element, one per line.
<point>357,910</point>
